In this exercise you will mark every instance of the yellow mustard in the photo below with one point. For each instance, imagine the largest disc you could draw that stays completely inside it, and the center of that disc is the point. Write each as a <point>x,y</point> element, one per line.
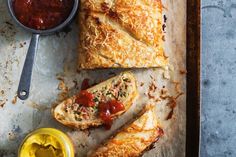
<point>46,142</point>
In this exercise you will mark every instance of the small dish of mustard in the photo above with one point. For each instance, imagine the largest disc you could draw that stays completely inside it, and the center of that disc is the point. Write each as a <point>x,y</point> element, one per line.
<point>46,142</point>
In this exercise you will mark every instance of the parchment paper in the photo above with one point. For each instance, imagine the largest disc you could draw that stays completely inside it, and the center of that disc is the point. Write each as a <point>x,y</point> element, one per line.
<point>55,77</point>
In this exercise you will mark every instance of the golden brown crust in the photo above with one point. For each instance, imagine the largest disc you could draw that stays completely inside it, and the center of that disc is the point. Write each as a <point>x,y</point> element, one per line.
<point>121,33</point>
<point>134,139</point>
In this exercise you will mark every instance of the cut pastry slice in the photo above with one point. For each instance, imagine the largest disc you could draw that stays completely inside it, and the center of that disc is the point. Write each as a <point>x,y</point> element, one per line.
<point>134,139</point>
<point>121,34</point>
<point>99,104</point>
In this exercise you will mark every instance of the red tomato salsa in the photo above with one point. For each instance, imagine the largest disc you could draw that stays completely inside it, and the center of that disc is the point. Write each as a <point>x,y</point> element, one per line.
<point>85,98</point>
<point>42,14</point>
<point>107,109</point>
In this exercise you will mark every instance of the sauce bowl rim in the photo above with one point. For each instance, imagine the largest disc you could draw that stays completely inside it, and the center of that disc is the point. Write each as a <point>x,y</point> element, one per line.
<point>46,31</point>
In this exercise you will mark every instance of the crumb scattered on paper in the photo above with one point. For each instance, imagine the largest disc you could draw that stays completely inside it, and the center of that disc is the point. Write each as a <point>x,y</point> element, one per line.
<point>14,100</point>
<point>62,86</point>
<point>64,90</point>
<point>152,87</point>
<point>2,103</point>
<point>141,84</point>
<point>2,92</point>
<point>177,86</point>
<point>172,104</point>
<point>158,94</point>
<point>75,84</point>
<point>12,136</point>
<point>164,94</point>
<point>166,74</point>
<point>183,71</point>
<point>152,95</point>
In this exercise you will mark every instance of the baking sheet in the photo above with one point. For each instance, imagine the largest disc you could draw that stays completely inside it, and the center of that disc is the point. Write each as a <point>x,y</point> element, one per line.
<point>55,77</point>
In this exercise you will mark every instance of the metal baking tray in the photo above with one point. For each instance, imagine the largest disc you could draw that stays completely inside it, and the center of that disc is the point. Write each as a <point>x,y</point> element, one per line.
<point>193,78</point>
<point>34,113</point>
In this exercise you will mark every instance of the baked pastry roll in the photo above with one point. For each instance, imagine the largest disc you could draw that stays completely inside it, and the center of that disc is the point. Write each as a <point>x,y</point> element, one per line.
<point>134,139</point>
<point>120,34</point>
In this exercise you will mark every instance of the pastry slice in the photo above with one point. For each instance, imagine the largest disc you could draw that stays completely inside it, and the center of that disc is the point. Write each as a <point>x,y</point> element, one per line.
<point>98,105</point>
<point>133,139</point>
<point>121,34</point>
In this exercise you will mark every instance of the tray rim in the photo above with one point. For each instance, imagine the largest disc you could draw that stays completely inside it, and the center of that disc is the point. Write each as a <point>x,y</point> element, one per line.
<point>193,98</point>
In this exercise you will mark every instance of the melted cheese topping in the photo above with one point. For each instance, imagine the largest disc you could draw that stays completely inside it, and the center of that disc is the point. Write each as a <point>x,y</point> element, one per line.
<point>121,33</point>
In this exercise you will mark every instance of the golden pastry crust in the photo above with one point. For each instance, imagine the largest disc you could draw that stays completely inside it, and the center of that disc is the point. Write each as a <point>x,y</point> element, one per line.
<point>121,33</point>
<point>134,139</point>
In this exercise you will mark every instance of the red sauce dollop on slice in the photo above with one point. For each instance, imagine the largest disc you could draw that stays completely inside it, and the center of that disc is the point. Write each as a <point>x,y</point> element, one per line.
<point>115,106</point>
<point>105,114</point>
<point>85,98</point>
<point>42,14</point>
<point>107,109</point>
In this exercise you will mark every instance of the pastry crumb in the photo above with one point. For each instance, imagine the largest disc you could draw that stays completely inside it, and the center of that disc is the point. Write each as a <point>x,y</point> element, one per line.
<point>14,100</point>
<point>61,86</point>
<point>21,45</point>
<point>2,103</point>
<point>152,87</point>
<point>2,92</point>
<point>12,136</point>
<point>166,75</point>
<point>141,84</point>
<point>183,71</point>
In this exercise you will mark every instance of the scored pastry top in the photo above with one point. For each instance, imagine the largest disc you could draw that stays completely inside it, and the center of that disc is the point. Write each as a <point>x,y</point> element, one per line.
<point>121,33</point>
